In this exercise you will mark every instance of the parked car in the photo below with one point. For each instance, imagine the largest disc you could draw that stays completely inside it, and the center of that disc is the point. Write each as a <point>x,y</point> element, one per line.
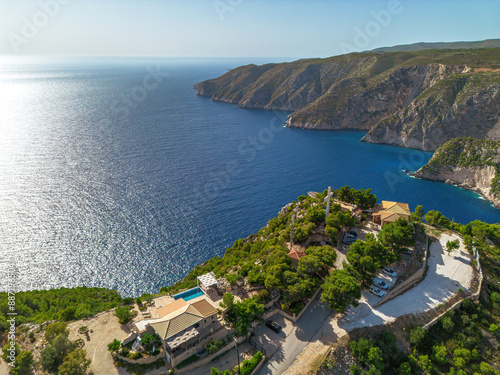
<point>273,325</point>
<point>352,233</point>
<point>377,291</point>
<point>390,272</point>
<point>408,251</point>
<point>379,283</point>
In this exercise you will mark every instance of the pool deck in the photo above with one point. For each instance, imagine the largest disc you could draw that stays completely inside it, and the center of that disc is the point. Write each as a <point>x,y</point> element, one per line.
<point>211,296</point>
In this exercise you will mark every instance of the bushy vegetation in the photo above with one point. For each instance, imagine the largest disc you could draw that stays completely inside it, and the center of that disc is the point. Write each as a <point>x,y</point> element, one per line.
<point>263,258</point>
<point>124,314</point>
<point>467,152</point>
<point>63,304</point>
<point>380,356</point>
<point>362,198</point>
<point>248,365</point>
<point>464,341</point>
<point>242,313</point>
<point>60,354</point>
<point>214,346</point>
<point>246,368</point>
<point>23,363</point>
<point>340,290</point>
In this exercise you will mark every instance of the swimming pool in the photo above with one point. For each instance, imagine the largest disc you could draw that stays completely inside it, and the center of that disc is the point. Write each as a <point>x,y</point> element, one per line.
<point>189,294</point>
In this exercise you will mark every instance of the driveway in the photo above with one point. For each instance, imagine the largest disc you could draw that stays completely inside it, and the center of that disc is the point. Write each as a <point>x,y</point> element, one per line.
<point>446,274</point>
<point>300,335</point>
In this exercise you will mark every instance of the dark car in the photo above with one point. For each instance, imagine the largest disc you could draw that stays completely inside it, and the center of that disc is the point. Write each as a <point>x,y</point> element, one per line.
<point>274,326</point>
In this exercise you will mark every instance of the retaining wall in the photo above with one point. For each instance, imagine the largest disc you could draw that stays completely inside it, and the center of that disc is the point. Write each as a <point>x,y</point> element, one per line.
<point>294,317</point>
<point>411,281</point>
<point>259,366</point>
<point>208,359</point>
<point>143,360</point>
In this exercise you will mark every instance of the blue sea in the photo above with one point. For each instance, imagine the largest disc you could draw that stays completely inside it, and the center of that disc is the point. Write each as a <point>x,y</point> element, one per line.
<point>113,173</point>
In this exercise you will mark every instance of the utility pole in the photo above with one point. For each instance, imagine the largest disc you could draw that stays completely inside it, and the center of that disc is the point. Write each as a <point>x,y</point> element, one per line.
<point>237,353</point>
<point>328,202</point>
<point>291,232</point>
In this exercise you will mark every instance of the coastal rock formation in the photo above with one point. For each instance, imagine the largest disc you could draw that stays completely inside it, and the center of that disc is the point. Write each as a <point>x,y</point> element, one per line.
<point>458,106</point>
<point>410,99</point>
<point>472,164</point>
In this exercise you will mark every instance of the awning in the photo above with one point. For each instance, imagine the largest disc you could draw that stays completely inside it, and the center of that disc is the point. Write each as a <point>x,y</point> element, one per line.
<point>207,280</point>
<point>185,337</point>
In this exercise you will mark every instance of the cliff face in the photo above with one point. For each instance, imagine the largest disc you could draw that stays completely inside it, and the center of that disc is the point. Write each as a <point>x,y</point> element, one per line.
<point>458,106</point>
<point>472,164</point>
<point>350,104</point>
<point>410,99</point>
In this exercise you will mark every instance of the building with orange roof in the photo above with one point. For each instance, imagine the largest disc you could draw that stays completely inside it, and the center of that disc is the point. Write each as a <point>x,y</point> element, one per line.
<point>388,212</point>
<point>171,307</point>
<point>295,255</point>
<point>182,327</point>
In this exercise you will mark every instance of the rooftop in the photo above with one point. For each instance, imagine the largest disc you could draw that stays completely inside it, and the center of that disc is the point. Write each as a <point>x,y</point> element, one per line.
<point>171,307</point>
<point>177,321</point>
<point>204,308</point>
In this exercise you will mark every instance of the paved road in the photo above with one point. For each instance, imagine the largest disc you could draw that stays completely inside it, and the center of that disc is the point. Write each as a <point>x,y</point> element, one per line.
<point>312,320</point>
<point>445,275</point>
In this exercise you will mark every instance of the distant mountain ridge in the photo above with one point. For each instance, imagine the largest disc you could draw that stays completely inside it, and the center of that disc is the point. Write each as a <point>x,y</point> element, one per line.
<point>414,47</point>
<point>411,99</point>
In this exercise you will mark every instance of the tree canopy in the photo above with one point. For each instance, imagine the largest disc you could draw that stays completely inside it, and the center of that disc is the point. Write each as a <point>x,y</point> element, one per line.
<point>340,290</point>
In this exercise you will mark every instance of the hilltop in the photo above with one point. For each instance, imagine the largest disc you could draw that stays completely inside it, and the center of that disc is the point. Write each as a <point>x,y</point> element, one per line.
<point>415,99</point>
<point>488,43</point>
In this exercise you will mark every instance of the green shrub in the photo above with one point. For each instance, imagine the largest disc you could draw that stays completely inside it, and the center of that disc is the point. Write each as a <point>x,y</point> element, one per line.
<point>55,329</point>
<point>440,354</point>
<point>249,365</point>
<point>493,328</point>
<point>114,345</point>
<point>214,346</point>
<point>123,314</point>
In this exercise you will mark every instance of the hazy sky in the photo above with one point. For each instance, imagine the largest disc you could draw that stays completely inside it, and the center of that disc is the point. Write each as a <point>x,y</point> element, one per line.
<point>271,28</point>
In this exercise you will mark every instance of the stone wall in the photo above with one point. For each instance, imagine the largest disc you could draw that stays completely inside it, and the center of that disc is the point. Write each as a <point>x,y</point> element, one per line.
<point>294,317</point>
<point>207,359</point>
<point>144,360</point>
<point>130,338</point>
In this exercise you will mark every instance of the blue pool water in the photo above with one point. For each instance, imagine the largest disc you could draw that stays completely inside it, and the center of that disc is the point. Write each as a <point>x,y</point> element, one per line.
<point>189,294</point>
<point>100,189</point>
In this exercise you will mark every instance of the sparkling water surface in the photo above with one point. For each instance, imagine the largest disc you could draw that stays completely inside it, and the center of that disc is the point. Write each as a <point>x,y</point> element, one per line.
<point>114,173</point>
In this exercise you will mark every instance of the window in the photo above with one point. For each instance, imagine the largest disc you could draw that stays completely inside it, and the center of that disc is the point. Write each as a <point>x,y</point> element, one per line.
<point>196,325</point>
<point>205,321</point>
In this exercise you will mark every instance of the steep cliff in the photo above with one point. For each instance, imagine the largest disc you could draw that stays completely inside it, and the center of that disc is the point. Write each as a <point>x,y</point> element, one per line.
<point>472,164</point>
<point>458,106</point>
<point>408,98</point>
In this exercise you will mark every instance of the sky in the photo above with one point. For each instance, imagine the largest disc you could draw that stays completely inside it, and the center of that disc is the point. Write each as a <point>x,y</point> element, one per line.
<point>236,28</point>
